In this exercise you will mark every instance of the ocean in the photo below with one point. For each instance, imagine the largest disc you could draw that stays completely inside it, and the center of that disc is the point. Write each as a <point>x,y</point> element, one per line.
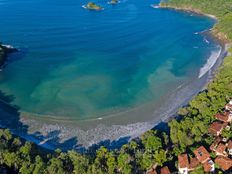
<point>79,64</point>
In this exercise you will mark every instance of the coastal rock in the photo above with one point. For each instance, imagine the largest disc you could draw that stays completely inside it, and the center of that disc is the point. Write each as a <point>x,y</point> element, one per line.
<point>113,2</point>
<point>93,6</point>
<point>4,51</point>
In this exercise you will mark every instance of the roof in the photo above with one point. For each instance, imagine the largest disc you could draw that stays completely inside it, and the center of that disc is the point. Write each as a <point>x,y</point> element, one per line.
<point>229,146</point>
<point>228,106</point>
<point>215,143</point>
<point>183,161</point>
<point>208,165</point>
<point>216,127</point>
<point>202,154</point>
<point>193,163</point>
<point>221,148</point>
<point>224,163</point>
<point>152,172</point>
<point>222,117</point>
<point>165,170</point>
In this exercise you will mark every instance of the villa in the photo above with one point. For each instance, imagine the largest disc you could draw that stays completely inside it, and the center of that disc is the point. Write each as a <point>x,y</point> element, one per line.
<point>209,166</point>
<point>229,147</point>
<point>165,170</point>
<point>226,117</point>
<point>183,163</point>
<point>224,163</point>
<point>216,128</point>
<point>221,150</point>
<point>194,163</point>
<point>203,157</point>
<point>202,154</point>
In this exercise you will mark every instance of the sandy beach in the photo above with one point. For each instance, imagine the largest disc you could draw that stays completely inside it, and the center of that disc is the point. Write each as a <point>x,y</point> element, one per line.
<point>111,131</point>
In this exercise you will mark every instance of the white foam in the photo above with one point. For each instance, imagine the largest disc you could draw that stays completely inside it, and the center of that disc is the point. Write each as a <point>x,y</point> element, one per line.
<point>83,6</point>
<point>155,6</point>
<point>205,40</point>
<point>210,62</point>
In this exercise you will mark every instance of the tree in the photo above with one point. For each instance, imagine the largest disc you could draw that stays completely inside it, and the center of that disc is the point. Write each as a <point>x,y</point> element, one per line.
<point>55,166</point>
<point>124,165</point>
<point>80,162</point>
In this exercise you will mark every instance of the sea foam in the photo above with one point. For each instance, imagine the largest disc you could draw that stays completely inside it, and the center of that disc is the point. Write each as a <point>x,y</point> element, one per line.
<point>210,62</point>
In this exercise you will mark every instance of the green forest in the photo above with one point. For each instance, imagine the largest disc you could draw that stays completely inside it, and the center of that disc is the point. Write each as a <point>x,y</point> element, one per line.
<point>153,148</point>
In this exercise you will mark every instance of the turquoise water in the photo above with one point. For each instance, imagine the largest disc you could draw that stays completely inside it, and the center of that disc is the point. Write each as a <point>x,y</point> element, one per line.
<point>81,64</point>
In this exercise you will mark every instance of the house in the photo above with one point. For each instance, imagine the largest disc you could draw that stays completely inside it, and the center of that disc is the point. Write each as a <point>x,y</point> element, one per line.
<point>228,107</point>
<point>229,147</point>
<point>216,128</point>
<point>194,163</point>
<point>183,163</point>
<point>224,163</point>
<point>225,117</point>
<point>202,154</point>
<point>165,170</point>
<point>209,166</point>
<point>215,144</point>
<point>151,172</point>
<point>221,150</point>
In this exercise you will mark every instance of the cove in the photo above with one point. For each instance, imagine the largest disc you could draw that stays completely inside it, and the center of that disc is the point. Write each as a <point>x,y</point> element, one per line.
<point>80,64</point>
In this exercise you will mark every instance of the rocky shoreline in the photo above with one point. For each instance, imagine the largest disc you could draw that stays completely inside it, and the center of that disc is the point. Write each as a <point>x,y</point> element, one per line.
<point>4,51</point>
<point>222,37</point>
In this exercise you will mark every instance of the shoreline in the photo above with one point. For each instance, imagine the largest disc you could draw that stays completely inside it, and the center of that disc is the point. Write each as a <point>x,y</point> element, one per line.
<point>221,37</point>
<point>136,128</point>
<point>102,131</point>
<point>188,9</point>
<point>4,51</point>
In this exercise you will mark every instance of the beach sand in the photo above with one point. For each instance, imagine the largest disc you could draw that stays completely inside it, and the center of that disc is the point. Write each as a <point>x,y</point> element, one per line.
<point>111,131</point>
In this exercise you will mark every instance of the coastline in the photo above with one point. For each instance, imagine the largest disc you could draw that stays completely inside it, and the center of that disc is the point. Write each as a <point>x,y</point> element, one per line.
<point>217,34</point>
<point>4,51</point>
<point>140,127</point>
<point>187,9</point>
<point>53,133</point>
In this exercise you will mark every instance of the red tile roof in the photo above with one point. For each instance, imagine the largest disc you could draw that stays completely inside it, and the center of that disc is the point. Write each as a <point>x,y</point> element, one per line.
<point>215,144</point>
<point>202,154</point>
<point>224,163</point>
<point>183,161</point>
<point>216,127</point>
<point>229,146</point>
<point>193,163</point>
<point>223,117</point>
<point>208,165</point>
<point>221,149</point>
<point>152,172</point>
<point>165,170</point>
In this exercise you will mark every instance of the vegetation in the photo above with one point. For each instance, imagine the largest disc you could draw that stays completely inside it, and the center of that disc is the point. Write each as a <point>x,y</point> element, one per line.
<point>222,9</point>
<point>154,148</point>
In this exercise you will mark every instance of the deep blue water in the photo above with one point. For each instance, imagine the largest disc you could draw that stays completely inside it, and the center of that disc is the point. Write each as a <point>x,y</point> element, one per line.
<point>79,63</point>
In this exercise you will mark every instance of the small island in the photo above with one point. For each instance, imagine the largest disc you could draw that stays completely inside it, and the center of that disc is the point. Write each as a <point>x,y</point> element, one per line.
<point>4,51</point>
<point>93,6</point>
<point>114,2</point>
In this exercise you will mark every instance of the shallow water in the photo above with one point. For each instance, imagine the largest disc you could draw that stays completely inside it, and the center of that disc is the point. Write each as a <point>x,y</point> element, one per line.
<point>82,64</point>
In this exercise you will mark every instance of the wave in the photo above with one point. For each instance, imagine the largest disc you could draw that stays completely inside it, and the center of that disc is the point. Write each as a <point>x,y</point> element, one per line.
<point>210,62</point>
<point>205,40</point>
<point>155,6</point>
